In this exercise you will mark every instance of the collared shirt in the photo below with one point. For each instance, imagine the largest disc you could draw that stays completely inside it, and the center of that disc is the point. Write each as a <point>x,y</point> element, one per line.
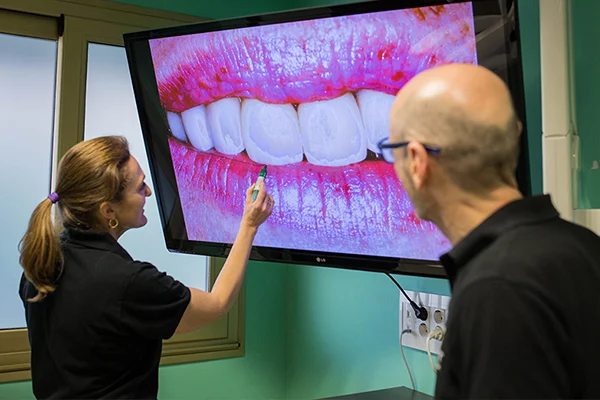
<point>525,311</point>
<point>99,335</point>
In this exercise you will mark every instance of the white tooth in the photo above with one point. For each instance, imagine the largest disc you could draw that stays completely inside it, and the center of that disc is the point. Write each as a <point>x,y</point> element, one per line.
<point>375,109</point>
<point>332,131</point>
<point>223,117</point>
<point>176,126</point>
<point>194,122</point>
<point>271,133</point>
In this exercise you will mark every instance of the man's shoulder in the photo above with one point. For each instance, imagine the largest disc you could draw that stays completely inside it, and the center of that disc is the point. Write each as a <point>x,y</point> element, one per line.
<point>545,235</point>
<point>539,256</point>
<point>539,244</point>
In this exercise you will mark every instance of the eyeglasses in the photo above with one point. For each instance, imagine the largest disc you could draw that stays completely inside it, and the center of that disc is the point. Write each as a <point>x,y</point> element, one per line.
<point>388,155</point>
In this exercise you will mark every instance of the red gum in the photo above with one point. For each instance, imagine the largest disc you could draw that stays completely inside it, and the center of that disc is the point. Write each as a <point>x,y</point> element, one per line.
<point>360,208</point>
<point>311,60</point>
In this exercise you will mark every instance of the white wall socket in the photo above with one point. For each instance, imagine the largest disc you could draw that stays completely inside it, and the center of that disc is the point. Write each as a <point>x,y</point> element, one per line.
<point>437,310</point>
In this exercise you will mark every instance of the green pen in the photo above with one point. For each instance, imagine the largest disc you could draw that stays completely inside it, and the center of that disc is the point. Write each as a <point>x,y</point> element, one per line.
<point>261,178</point>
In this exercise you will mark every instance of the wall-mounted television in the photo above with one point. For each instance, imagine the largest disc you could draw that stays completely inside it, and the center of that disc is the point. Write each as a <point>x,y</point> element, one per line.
<point>307,93</point>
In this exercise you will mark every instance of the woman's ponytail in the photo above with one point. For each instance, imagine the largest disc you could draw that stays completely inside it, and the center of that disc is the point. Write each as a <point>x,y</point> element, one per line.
<point>41,254</point>
<point>91,172</point>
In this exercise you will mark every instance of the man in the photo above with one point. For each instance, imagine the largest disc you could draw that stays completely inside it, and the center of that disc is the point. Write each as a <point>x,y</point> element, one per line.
<point>525,283</point>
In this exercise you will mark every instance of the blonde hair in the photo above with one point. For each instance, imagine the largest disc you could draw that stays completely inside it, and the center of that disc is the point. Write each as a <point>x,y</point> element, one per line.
<point>90,173</point>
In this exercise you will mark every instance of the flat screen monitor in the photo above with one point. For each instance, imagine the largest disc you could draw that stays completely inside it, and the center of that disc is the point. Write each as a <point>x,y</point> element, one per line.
<point>307,93</point>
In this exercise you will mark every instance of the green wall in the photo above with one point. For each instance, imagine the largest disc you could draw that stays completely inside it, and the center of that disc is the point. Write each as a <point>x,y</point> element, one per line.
<point>315,332</point>
<point>215,9</point>
<point>586,36</point>
<point>258,375</point>
<point>343,334</point>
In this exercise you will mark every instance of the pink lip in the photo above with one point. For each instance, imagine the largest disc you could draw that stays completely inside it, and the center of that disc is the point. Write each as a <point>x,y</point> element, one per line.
<point>314,61</point>
<point>360,208</point>
<point>364,204</point>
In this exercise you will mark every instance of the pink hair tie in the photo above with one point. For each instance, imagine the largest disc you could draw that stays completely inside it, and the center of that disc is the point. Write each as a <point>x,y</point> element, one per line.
<point>53,197</point>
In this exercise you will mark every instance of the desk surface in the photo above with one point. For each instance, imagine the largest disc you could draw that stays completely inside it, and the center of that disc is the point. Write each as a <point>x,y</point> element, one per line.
<point>397,393</point>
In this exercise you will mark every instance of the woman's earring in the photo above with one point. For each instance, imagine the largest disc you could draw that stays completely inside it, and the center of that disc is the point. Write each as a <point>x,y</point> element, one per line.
<point>113,223</point>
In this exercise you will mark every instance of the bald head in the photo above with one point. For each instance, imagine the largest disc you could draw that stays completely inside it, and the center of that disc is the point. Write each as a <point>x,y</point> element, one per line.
<point>467,111</point>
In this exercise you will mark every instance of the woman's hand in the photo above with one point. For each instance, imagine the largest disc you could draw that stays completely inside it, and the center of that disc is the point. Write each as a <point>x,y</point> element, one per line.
<point>256,212</point>
<point>206,307</point>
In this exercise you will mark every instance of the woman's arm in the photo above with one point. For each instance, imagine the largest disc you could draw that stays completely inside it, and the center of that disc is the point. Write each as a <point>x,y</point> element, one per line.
<point>205,307</point>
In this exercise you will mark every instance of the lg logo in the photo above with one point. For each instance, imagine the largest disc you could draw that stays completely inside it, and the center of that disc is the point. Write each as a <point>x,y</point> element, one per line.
<point>321,260</point>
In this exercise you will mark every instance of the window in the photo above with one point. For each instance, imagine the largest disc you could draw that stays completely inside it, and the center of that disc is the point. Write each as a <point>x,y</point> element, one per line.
<point>88,63</point>
<point>110,109</point>
<point>29,41</point>
<point>27,76</point>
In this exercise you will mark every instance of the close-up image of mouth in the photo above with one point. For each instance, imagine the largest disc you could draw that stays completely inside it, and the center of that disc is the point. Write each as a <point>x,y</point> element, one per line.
<point>310,100</point>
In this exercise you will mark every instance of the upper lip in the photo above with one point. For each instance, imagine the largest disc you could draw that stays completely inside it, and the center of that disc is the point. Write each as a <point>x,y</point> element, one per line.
<point>310,60</point>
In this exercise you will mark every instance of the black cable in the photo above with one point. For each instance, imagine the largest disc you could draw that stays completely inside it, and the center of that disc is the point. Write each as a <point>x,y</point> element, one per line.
<point>420,312</point>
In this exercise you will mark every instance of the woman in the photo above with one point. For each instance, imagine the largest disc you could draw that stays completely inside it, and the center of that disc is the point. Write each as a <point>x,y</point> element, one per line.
<point>96,317</point>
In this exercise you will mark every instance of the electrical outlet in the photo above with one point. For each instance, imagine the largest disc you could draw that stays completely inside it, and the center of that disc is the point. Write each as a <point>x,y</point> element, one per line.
<point>439,310</point>
<point>417,338</point>
<point>436,307</point>
<point>408,320</point>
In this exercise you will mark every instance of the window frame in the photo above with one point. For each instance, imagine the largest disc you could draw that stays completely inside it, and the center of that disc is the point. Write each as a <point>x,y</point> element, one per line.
<point>102,22</point>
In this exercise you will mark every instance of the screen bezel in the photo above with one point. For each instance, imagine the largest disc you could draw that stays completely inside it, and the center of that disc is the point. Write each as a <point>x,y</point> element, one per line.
<point>153,119</point>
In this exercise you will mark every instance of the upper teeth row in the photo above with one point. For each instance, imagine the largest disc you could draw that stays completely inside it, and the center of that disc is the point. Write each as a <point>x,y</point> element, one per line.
<point>330,132</point>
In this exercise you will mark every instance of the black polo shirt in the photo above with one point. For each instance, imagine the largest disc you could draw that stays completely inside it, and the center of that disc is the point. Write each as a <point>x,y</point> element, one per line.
<point>525,310</point>
<point>99,335</point>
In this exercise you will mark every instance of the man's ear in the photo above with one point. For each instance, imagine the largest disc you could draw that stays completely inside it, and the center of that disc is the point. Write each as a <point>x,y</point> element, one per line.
<point>107,211</point>
<point>418,162</point>
<point>520,125</point>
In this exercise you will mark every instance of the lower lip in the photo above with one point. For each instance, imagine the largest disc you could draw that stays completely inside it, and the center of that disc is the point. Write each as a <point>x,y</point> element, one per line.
<point>357,209</point>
